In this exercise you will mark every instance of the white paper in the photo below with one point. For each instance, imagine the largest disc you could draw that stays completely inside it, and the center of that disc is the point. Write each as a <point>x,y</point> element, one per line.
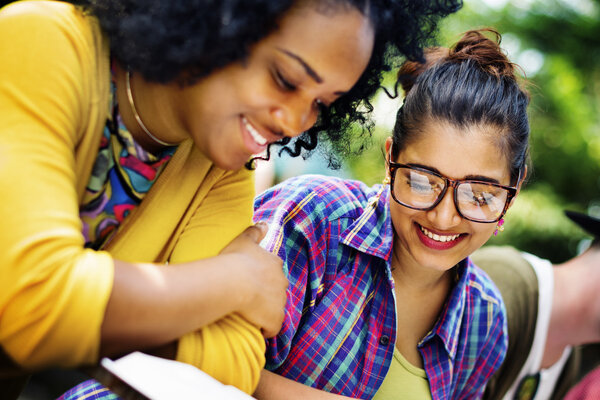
<point>161,379</point>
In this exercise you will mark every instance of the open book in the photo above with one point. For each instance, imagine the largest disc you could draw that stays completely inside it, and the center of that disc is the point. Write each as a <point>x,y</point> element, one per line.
<point>141,376</point>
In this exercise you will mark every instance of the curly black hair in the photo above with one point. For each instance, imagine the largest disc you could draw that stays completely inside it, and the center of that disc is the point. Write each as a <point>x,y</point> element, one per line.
<point>165,40</point>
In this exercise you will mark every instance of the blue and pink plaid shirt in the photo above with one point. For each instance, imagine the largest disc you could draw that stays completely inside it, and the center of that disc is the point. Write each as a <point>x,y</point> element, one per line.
<point>335,237</point>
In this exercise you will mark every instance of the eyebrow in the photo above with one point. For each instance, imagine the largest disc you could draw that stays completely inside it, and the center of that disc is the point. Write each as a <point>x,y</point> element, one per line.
<point>468,177</point>
<point>311,72</point>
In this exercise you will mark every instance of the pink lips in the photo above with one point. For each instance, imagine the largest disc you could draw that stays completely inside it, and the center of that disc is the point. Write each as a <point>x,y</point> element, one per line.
<point>434,244</point>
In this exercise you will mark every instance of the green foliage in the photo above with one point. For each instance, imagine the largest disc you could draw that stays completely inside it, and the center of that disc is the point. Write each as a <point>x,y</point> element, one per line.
<point>370,166</point>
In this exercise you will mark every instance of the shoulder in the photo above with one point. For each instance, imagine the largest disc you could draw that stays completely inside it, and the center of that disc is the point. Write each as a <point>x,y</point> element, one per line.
<point>35,15</point>
<point>28,27</point>
<point>319,194</point>
<point>482,291</point>
<point>75,34</point>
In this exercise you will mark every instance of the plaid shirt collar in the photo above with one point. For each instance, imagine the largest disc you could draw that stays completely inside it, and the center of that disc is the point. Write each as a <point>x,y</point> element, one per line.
<point>372,232</point>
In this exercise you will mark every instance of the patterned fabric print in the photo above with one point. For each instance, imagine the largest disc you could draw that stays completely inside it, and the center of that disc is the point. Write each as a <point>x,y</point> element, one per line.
<point>335,237</point>
<point>88,390</point>
<point>121,176</point>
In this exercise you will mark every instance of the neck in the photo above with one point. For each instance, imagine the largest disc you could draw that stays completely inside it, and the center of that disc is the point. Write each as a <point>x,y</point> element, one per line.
<point>410,274</point>
<point>420,297</point>
<point>137,99</point>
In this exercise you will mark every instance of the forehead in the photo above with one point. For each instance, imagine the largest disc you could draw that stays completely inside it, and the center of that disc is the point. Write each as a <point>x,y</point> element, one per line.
<point>335,41</point>
<point>458,152</point>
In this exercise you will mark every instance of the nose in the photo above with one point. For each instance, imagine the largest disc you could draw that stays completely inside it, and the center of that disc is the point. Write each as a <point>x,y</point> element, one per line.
<point>295,116</point>
<point>445,215</point>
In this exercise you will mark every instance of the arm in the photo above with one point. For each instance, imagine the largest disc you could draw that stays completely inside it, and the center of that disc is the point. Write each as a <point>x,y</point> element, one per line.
<point>200,284</point>
<point>575,311</point>
<point>243,277</point>
<point>152,304</point>
<point>224,214</point>
<point>232,349</point>
<point>274,387</point>
<point>53,290</point>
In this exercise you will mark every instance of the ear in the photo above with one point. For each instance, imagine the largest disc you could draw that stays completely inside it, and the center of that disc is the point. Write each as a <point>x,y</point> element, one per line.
<point>522,180</point>
<point>519,185</point>
<point>388,147</point>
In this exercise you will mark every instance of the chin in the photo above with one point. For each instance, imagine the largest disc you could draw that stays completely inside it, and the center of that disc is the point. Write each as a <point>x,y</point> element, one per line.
<point>438,264</point>
<point>230,162</point>
<point>231,166</point>
<point>439,260</point>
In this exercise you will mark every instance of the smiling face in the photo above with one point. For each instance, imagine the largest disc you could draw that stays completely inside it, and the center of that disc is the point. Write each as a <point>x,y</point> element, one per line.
<point>311,60</point>
<point>439,238</point>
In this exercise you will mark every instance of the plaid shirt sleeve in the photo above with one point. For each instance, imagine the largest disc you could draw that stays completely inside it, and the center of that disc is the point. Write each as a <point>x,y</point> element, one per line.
<point>298,234</point>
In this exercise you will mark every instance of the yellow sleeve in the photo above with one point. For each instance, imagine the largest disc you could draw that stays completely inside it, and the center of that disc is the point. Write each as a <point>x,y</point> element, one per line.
<point>232,349</point>
<point>223,214</point>
<point>53,292</point>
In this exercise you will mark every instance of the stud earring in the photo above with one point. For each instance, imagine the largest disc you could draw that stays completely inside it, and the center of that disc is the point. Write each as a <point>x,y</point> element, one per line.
<point>499,227</point>
<point>387,180</point>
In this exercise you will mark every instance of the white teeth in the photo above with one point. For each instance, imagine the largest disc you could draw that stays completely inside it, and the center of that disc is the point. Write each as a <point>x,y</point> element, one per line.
<point>438,238</point>
<point>254,133</point>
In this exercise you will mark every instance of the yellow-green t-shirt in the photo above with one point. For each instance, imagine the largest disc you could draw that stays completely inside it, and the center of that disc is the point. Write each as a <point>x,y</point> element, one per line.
<point>403,381</point>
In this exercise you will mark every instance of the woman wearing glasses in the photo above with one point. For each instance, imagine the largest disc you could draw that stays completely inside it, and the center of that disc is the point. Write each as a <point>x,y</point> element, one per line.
<point>383,300</point>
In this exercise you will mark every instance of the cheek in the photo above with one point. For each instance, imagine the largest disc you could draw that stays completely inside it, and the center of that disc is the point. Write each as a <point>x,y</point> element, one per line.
<point>402,217</point>
<point>482,233</point>
<point>253,86</point>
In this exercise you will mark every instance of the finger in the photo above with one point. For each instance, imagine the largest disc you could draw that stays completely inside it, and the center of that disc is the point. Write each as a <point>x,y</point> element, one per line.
<point>257,232</point>
<point>274,326</point>
<point>271,331</point>
<point>267,333</point>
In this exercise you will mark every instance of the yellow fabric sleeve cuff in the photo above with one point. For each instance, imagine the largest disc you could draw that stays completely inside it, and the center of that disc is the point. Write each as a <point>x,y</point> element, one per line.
<point>231,350</point>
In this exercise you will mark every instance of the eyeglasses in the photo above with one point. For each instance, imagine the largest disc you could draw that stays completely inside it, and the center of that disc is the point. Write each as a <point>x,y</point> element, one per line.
<point>419,188</point>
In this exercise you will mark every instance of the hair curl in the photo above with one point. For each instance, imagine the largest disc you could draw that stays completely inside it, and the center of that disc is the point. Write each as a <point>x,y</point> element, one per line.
<point>472,83</point>
<point>165,40</point>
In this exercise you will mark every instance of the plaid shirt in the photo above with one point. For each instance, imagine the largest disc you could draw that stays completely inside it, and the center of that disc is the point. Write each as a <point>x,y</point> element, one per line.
<point>335,237</point>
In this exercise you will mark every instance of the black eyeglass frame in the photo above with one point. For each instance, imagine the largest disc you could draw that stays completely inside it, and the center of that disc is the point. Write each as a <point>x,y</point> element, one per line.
<point>448,182</point>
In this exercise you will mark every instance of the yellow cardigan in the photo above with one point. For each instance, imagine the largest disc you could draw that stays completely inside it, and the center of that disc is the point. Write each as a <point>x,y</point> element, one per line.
<point>54,99</point>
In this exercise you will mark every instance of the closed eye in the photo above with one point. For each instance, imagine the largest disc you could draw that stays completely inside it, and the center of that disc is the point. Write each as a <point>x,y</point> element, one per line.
<point>283,82</point>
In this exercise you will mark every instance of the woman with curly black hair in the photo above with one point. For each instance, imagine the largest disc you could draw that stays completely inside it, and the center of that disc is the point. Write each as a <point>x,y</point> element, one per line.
<point>124,129</point>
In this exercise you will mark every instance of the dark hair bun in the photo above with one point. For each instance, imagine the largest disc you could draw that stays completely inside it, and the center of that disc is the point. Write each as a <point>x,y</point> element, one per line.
<point>474,46</point>
<point>410,70</point>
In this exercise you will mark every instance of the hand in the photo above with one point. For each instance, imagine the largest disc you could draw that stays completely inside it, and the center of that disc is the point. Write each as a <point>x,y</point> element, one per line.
<point>262,281</point>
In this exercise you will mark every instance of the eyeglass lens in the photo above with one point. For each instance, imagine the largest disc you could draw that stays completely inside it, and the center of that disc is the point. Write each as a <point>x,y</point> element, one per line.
<point>421,190</point>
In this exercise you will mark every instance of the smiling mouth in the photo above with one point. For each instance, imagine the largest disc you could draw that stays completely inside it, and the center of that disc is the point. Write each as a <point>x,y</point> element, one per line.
<point>438,238</point>
<point>258,138</point>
